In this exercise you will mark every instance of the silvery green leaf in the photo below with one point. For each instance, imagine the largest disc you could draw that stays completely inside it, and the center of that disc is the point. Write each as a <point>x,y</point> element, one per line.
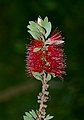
<point>36,111</point>
<point>48,77</point>
<point>47,26</point>
<point>39,21</point>
<point>28,115</point>
<point>33,24</point>
<point>25,117</point>
<point>53,74</point>
<point>40,29</point>
<point>32,28</point>
<point>35,27</point>
<point>28,118</point>
<point>33,114</point>
<point>34,34</point>
<point>48,29</point>
<point>46,19</point>
<point>36,49</point>
<point>37,75</point>
<point>48,117</point>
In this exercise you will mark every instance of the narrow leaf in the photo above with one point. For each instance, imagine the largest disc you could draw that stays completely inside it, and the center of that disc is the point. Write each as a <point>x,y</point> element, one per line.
<point>36,28</point>
<point>40,29</point>
<point>27,118</point>
<point>32,28</point>
<point>47,26</point>
<point>46,19</point>
<point>53,74</point>
<point>36,49</point>
<point>37,75</point>
<point>34,34</point>
<point>48,117</point>
<point>28,114</point>
<point>33,114</point>
<point>48,77</point>
<point>48,29</point>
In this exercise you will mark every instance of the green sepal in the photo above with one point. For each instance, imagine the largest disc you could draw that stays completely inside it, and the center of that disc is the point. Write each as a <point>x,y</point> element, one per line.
<point>47,25</point>
<point>36,49</point>
<point>37,75</point>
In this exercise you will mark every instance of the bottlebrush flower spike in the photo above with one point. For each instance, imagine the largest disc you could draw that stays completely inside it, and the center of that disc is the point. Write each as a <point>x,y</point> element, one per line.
<point>45,54</point>
<point>55,38</point>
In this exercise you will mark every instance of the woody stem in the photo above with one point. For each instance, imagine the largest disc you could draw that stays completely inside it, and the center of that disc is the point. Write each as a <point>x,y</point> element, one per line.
<point>42,98</point>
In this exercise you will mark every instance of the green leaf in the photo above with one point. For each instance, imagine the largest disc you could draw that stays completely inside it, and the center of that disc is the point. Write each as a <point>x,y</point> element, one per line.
<point>53,74</point>
<point>48,117</point>
<point>36,35</point>
<point>28,118</point>
<point>32,28</point>
<point>36,49</point>
<point>34,24</point>
<point>48,77</point>
<point>36,27</point>
<point>37,75</point>
<point>35,30</point>
<point>28,114</point>
<point>47,26</point>
<point>41,30</point>
<point>33,114</point>
<point>46,19</point>
<point>25,117</point>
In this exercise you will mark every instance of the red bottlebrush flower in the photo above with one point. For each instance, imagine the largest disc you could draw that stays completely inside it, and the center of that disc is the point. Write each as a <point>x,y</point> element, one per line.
<point>55,38</point>
<point>33,60</point>
<point>55,62</point>
<point>48,58</point>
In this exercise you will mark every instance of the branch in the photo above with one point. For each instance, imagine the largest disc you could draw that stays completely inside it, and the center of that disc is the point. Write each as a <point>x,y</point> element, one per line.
<point>42,98</point>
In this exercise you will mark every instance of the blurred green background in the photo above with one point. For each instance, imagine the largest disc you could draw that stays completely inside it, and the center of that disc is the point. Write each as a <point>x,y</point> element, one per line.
<point>18,93</point>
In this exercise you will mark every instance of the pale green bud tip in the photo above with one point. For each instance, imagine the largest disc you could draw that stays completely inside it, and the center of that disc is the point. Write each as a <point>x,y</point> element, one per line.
<point>39,21</point>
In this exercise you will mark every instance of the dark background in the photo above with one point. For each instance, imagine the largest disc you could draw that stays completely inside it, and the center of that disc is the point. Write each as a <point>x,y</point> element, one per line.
<point>18,93</point>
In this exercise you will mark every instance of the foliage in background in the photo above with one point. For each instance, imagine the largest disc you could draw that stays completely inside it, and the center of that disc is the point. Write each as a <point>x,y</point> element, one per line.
<point>16,98</point>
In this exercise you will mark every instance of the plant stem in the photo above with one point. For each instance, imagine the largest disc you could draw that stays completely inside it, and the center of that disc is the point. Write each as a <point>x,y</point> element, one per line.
<point>42,98</point>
